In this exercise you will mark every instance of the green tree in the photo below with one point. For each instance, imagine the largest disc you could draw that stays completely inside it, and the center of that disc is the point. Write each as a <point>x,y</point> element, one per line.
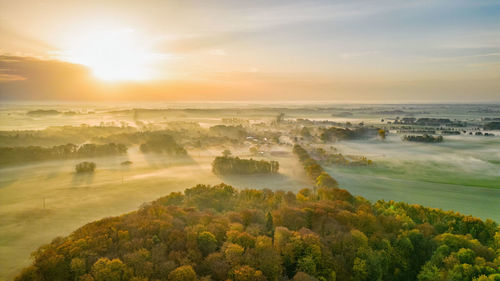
<point>269,223</point>
<point>466,256</point>
<point>360,269</point>
<point>207,242</point>
<point>429,272</point>
<point>307,265</point>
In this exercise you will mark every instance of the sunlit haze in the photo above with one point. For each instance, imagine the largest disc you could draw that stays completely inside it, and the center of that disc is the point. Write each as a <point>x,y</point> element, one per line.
<point>112,54</point>
<point>360,51</point>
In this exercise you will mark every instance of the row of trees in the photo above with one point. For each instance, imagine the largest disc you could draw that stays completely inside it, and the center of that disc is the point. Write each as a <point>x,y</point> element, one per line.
<point>57,135</point>
<point>186,134</point>
<point>25,154</point>
<point>314,169</point>
<point>423,138</point>
<point>224,165</point>
<point>163,144</point>
<point>221,233</point>
<point>336,133</point>
<point>492,126</point>
<point>43,112</point>
<point>232,132</point>
<point>173,140</point>
<point>339,159</point>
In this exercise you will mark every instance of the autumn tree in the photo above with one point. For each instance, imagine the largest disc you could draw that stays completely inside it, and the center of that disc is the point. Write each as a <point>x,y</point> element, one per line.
<point>325,180</point>
<point>110,270</point>
<point>183,273</point>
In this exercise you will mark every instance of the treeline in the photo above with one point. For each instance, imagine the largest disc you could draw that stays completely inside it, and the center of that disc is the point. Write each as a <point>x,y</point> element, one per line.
<point>427,121</point>
<point>53,112</point>
<point>233,132</point>
<point>492,126</point>
<point>25,154</point>
<point>220,233</point>
<point>313,169</point>
<point>423,138</point>
<point>59,135</point>
<point>336,133</point>
<point>137,138</point>
<point>43,112</point>
<point>226,165</point>
<point>186,134</point>
<point>339,159</point>
<point>163,144</point>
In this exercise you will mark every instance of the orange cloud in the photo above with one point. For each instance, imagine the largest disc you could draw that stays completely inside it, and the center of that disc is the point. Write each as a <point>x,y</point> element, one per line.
<point>28,78</point>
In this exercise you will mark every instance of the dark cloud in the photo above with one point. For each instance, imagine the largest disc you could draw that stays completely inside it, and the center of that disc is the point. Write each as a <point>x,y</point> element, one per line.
<point>37,79</point>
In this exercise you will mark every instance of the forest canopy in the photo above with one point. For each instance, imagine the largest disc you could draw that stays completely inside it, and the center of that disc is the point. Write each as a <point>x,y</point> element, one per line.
<point>221,233</point>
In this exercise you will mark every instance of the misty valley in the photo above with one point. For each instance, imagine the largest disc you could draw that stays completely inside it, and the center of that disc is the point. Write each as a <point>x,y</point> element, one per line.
<point>249,191</point>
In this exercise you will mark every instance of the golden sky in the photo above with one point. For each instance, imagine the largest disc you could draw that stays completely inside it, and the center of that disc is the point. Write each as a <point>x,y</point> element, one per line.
<point>362,51</point>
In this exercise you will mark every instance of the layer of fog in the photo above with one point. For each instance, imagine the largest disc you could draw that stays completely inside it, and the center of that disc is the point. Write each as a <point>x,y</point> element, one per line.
<point>41,201</point>
<point>13,115</point>
<point>460,174</point>
<point>474,155</point>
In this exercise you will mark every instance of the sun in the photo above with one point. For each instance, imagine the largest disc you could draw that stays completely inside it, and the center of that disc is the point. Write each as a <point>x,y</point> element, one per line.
<point>112,55</point>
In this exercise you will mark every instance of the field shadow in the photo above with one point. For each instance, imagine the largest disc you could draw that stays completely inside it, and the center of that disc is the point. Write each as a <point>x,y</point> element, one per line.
<point>82,179</point>
<point>5,183</point>
<point>33,214</point>
<point>52,175</point>
<point>161,160</point>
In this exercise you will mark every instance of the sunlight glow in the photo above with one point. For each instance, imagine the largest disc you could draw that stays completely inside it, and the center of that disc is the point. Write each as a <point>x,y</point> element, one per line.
<point>113,55</point>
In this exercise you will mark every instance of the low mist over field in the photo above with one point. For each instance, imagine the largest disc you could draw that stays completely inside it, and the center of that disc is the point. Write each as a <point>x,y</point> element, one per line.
<point>42,196</point>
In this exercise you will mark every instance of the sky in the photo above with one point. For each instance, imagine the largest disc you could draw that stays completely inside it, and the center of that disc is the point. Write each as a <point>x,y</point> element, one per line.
<point>345,50</point>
